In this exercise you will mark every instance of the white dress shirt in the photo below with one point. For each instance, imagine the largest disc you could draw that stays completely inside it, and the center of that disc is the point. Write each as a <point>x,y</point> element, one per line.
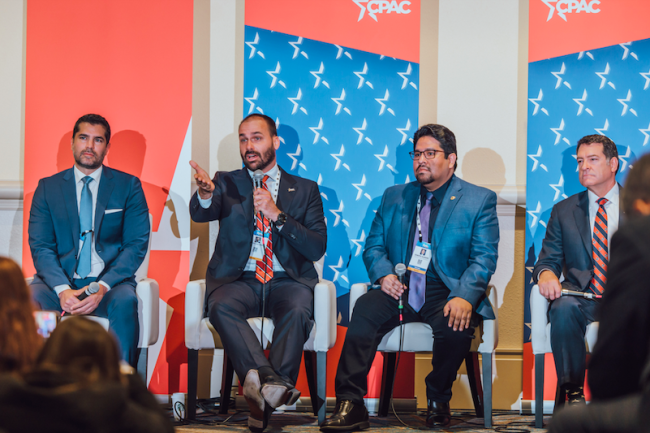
<point>271,185</point>
<point>96,262</point>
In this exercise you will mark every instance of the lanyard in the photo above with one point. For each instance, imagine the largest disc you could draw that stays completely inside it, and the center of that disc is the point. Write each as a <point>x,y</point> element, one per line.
<point>418,219</point>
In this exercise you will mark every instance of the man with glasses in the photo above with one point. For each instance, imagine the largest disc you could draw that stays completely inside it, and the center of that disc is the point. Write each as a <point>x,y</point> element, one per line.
<point>446,231</point>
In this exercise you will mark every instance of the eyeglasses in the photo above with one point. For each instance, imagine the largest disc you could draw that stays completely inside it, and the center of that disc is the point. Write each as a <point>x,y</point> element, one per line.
<point>428,154</point>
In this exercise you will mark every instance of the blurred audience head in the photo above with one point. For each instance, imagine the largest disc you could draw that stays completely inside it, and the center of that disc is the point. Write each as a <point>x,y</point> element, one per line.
<point>82,350</point>
<point>19,341</point>
<point>636,193</point>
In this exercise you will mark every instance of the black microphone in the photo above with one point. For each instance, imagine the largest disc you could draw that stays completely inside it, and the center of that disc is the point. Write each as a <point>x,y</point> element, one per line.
<point>585,295</point>
<point>400,270</point>
<point>92,289</point>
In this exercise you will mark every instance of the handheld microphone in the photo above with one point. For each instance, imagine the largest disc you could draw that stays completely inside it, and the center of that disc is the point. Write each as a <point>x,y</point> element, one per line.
<point>585,295</point>
<point>258,175</point>
<point>92,289</point>
<point>400,270</point>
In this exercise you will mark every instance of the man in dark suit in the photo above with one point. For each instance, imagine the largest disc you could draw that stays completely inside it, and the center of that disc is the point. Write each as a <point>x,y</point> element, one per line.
<point>274,276</point>
<point>90,223</point>
<point>576,245</point>
<point>456,224</point>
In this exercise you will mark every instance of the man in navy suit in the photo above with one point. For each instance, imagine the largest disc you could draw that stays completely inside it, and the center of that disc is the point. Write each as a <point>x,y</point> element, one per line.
<point>576,244</point>
<point>273,276</point>
<point>90,223</point>
<point>456,224</point>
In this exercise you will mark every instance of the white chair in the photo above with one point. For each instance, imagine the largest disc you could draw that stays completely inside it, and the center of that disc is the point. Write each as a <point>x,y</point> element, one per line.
<point>540,330</point>
<point>147,291</point>
<point>418,337</point>
<point>199,334</point>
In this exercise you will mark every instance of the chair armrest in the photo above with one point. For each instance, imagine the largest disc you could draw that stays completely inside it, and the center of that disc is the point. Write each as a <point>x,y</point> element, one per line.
<point>356,291</point>
<point>490,337</point>
<point>147,292</point>
<point>325,315</point>
<point>538,320</point>
<point>194,300</point>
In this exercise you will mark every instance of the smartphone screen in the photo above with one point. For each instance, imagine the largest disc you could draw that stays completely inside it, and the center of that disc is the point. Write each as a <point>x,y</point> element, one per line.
<point>46,322</point>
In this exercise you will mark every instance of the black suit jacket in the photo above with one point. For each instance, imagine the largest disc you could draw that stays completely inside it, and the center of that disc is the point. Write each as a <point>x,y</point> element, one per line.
<point>302,240</point>
<point>622,347</point>
<point>567,245</point>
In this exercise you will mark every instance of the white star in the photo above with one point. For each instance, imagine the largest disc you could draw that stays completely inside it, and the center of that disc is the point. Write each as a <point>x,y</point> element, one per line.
<point>359,185</point>
<point>404,130</point>
<point>337,214</point>
<point>626,51</point>
<point>646,75</point>
<point>559,78</point>
<point>625,106</point>
<point>339,105</point>
<point>315,130</point>
<point>536,162</point>
<point>337,157</point>
<point>318,77</point>
<point>557,187</point>
<point>604,128</point>
<point>358,131</point>
<point>381,157</point>
<point>552,9</point>
<point>535,102</point>
<point>275,79</point>
<point>582,54</point>
<point>623,159</point>
<point>404,76</point>
<point>359,242</point>
<point>361,78</point>
<point>294,158</point>
<point>603,79</point>
<point>250,101</point>
<point>580,101</point>
<point>253,48</point>
<point>296,49</point>
<point>298,97</point>
<point>559,135</point>
<point>341,51</point>
<point>535,214</point>
<point>383,106</point>
<point>336,268</point>
<point>647,136</point>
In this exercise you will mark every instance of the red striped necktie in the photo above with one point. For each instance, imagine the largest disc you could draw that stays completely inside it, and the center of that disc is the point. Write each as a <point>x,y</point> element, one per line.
<point>264,268</point>
<point>600,250</point>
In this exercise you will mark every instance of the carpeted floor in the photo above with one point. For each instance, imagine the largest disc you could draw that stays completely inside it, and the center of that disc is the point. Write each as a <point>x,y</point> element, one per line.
<point>503,421</point>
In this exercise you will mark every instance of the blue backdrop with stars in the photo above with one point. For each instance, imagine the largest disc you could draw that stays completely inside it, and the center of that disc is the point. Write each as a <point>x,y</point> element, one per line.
<point>346,119</point>
<point>604,91</point>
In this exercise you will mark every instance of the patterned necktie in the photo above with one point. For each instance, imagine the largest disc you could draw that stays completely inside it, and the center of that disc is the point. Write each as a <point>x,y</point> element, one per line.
<point>600,249</point>
<point>418,282</point>
<point>86,226</point>
<point>264,268</point>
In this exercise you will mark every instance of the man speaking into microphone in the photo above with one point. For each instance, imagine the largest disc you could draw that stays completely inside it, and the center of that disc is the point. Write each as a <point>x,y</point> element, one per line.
<point>269,237</point>
<point>446,232</point>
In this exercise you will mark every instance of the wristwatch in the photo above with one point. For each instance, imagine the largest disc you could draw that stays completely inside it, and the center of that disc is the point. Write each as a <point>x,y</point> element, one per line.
<point>282,218</point>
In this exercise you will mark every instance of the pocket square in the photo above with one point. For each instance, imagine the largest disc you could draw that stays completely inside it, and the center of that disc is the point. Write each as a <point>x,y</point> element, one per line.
<point>108,211</point>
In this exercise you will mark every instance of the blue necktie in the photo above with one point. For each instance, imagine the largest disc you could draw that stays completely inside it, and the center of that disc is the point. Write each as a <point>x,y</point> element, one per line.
<point>86,225</point>
<point>418,282</point>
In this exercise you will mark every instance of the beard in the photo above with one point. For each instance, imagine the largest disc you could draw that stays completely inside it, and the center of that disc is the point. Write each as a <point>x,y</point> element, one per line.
<point>83,159</point>
<point>425,177</point>
<point>262,162</point>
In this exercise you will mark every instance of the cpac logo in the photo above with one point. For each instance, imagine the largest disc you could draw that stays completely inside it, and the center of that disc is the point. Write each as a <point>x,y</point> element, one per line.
<point>380,6</point>
<point>569,6</point>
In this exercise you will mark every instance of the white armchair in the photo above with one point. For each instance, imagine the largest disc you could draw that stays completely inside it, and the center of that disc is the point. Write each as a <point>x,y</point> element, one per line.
<point>418,337</point>
<point>199,334</point>
<point>540,330</point>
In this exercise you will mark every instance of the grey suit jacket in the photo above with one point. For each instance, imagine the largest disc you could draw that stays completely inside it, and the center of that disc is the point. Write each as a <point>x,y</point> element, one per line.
<point>465,238</point>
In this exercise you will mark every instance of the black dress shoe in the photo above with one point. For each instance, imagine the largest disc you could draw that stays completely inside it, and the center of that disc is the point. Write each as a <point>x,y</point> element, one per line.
<point>575,395</point>
<point>347,417</point>
<point>438,414</point>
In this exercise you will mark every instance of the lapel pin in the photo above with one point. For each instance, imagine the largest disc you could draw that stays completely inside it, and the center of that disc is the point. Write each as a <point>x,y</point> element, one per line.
<point>292,189</point>
<point>453,197</point>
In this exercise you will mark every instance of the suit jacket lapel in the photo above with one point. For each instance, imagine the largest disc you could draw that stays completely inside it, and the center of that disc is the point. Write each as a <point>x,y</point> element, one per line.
<point>103,194</point>
<point>409,208</point>
<point>287,190</point>
<point>245,187</point>
<point>581,215</point>
<point>69,194</point>
<point>452,197</point>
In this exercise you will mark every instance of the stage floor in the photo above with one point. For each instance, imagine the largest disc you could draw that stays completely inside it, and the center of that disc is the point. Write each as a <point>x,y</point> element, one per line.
<point>505,421</point>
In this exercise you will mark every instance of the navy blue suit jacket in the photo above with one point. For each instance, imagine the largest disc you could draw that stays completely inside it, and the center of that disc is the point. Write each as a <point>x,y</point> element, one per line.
<point>465,238</point>
<point>301,241</point>
<point>121,227</point>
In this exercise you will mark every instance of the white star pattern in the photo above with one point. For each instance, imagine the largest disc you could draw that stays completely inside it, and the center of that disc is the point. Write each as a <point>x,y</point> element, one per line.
<point>359,243</point>
<point>316,130</point>
<point>536,101</point>
<point>253,48</point>
<point>360,130</point>
<point>559,78</point>
<point>624,101</point>
<point>317,74</point>
<point>275,79</point>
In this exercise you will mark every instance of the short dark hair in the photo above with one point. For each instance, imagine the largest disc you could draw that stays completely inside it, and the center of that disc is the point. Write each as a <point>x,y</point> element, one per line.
<point>442,134</point>
<point>637,185</point>
<point>93,119</point>
<point>609,148</point>
<point>269,122</point>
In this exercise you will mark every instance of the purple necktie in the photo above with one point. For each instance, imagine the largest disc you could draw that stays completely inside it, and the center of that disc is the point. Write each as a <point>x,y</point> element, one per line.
<point>418,282</point>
